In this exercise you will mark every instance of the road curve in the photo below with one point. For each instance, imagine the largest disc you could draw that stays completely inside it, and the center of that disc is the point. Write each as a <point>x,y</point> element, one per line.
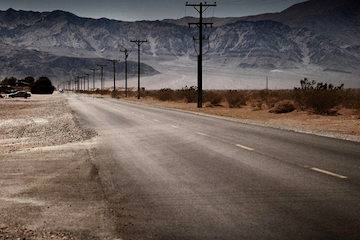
<point>174,175</point>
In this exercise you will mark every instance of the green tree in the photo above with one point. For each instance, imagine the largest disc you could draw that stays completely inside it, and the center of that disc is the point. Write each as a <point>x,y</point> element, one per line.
<point>9,82</point>
<point>29,80</point>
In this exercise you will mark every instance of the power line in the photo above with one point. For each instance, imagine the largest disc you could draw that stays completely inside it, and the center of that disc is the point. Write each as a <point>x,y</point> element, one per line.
<point>200,8</point>
<point>139,43</point>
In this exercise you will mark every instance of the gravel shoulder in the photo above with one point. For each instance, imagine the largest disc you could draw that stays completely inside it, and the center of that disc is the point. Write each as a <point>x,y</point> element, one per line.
<point>50,188</point>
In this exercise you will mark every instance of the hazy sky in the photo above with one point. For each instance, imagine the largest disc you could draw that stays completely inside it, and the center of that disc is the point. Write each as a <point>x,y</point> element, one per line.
<point>148,9</point>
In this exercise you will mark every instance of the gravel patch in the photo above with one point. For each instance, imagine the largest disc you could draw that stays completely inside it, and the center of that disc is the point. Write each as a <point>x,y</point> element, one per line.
<point>41,121</point>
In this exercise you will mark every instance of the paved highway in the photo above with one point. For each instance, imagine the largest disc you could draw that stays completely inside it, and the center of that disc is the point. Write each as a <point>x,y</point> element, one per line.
<point>174,175</point>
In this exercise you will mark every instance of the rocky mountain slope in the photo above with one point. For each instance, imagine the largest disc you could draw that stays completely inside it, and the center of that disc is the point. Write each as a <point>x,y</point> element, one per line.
<point>318,34</point>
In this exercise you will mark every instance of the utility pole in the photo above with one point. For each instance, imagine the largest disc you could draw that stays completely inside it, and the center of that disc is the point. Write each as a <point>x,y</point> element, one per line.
<point>88,79</point>
<point>93,70</point>
<point>267,83</point>
<point>82,79</point>
<point>114,69</point>
<point>138,43</point>
<point>200,8</point>
<point>101,75</point>
<point>81,82</point>
<point>78,82</point>
<point>126,53</point>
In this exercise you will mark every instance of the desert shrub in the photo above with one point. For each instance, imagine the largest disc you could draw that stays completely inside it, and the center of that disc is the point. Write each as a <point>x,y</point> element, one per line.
<point>256,104</point>
<point>189,94</point>
<point>284,106</point>
<point>99,91</point>
<point>213,97</point>
<point>266,98</point>
<point>114,94</point>
<point>235,98</point>
<point>320,97</point>
<point>42,86</point>
<point>165,94</point>
<point>351,99</point>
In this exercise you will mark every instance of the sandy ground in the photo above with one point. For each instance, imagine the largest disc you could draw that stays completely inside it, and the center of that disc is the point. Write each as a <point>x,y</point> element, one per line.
<point>344,126</point>
<point>49,187</point>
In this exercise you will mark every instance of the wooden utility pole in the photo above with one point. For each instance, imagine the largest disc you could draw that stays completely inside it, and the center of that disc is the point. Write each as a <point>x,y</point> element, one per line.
<point>101,75</point>
<point>138,43</point>
<point>114,69</point>
<point>126,53</point>
<point>200,8</point>
<point>78,82</point>
<point>267,82</point>
<point>88,81</point>
<point>93,70</point>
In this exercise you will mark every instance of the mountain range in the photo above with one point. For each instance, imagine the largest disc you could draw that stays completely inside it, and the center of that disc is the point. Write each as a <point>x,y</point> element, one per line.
<point>313,36</point>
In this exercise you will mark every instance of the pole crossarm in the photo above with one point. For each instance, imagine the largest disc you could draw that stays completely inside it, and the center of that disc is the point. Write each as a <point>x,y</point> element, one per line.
<point>205,4</point>
<point>139,42</point>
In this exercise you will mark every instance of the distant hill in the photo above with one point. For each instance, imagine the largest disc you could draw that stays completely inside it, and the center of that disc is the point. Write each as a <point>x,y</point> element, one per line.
<point>24,62</point>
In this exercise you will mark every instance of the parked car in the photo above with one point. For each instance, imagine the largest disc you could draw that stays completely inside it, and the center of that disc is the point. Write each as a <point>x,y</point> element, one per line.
<point>1,96</point>
<point>20,94</point>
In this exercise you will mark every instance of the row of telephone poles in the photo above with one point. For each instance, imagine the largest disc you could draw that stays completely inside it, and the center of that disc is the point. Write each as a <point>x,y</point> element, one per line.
<point>79,82</point>
<point>201,8</point>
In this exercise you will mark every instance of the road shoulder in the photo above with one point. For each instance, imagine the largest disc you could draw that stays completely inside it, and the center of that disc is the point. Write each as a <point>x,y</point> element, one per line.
<point>50,187</point>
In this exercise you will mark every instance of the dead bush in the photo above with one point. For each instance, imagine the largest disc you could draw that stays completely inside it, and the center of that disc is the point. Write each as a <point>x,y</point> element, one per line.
<point>213,97</point>
<point>165,94</point>
<point>189,94</point>
<point>256,104</point>
<point>284,106</point>
<point>235,99</point>
<point>322,98</point>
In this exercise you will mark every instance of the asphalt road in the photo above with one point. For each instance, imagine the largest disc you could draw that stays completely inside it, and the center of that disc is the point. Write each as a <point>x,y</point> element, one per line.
<point>174,175</point>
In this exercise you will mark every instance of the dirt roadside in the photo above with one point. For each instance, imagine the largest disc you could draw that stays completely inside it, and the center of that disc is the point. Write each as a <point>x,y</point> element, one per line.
<point>49,187</point>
